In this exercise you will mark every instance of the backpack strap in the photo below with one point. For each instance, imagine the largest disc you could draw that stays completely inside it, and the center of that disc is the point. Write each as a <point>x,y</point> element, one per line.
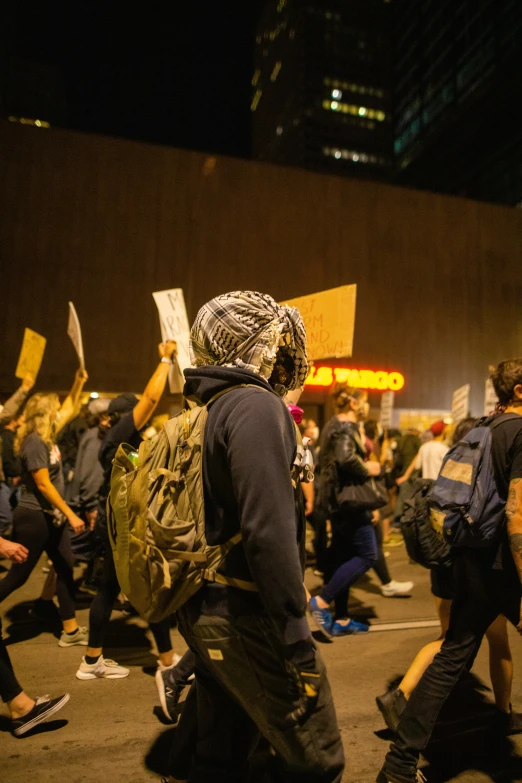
<point>211,575</point>
<point>498,420</point>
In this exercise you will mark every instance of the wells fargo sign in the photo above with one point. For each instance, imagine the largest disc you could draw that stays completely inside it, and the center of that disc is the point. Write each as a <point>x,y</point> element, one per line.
<point>377,380</point>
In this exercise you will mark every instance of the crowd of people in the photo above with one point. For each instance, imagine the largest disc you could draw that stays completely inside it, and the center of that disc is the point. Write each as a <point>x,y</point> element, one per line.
<point>253,668</point>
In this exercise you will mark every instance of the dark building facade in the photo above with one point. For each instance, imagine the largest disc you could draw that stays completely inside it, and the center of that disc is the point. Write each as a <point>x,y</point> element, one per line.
<point>321,86</point>
<point>458,80</point>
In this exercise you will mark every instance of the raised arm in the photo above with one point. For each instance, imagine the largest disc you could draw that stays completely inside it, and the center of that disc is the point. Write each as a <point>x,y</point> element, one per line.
<point>49,491</point>
<point>156,386</point>
<point>15,402</point>
<point>71,405</point>
<point>514,528</point>
<point>415,464</point>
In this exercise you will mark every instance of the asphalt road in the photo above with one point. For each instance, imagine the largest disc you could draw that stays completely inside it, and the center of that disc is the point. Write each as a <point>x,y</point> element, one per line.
<point>110,731</point>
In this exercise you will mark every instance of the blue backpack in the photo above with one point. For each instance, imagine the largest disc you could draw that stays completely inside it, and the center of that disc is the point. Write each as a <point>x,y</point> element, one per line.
<point>465,503</point>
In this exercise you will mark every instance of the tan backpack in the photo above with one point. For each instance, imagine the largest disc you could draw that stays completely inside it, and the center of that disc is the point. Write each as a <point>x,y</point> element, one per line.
<point>156,518</point>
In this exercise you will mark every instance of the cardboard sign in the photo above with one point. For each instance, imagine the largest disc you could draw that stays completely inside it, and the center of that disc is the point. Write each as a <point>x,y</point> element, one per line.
<point>75,333</point>
<point>175,326</point>
<point>460,404</point>
<point>387,403</point>
<point>329,318</point>
<point>31,355</point>
<point>490,398</point>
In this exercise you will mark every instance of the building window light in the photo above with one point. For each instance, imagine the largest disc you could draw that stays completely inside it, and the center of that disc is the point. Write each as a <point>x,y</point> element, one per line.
<point>28,121</point>
<point>279,130</point>
<point>337,94</point>
<point>363,111</point>
<point>256,99</point>
<point>353,109</point>
<point>255,77</point>
<point>354,156</point>
<point>275,72</point>
<point>334,106</point>
<point>337,154</point>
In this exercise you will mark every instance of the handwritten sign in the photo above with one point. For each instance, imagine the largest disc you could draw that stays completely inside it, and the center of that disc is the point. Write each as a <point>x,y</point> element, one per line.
<point>175,326</point>
<point>490,398</point>
<point>31,355</point>
<point>387,403</point>
<point>460,404</point>
<point>74,331</point>
<point>329,318</point>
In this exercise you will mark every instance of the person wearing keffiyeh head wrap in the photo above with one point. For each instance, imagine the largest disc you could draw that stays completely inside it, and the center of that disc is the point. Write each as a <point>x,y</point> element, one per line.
<point>251,627</point>
<point>249,330</point>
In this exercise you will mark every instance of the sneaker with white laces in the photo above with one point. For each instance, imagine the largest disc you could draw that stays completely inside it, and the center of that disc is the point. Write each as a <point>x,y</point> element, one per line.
<point>104,668</point>
<point>79,637</point>
<point>43,708</point>
<point>175,660</point>
<point>394,588</point>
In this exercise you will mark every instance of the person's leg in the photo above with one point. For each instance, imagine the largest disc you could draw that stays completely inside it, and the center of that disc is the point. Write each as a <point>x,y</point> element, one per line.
<point>381,566</point>
<point>319,522</point>
<point>102,605</point>
<point>11,691</point>
<point>363,547</point>
<point>245,663</point>
<point>500,663</point>
<point>161,634</point>
<point>425,656</point>
<point>185,740</point>
<point>29,529</point>
<point>59,552</point>
<point>472,613</point>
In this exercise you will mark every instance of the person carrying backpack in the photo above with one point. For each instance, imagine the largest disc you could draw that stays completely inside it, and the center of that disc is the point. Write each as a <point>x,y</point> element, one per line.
<point>257,668</point>
<point>482,471</point>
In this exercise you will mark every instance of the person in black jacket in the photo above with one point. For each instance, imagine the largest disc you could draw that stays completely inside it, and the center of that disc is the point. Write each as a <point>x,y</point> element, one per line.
<point>257,668</point>
<point>353,550</point>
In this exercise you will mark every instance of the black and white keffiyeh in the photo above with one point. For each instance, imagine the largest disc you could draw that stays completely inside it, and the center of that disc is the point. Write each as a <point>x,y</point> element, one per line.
<point>246,329</point>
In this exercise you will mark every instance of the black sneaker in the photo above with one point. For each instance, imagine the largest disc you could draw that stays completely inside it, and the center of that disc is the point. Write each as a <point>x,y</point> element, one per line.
<point>391,705</point>
<point>169,691</point>
<point>43,709</point>
<point>508,724</point>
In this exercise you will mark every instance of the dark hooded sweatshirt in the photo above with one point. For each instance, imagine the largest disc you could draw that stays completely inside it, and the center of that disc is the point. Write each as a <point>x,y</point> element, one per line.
<point>248,455</point>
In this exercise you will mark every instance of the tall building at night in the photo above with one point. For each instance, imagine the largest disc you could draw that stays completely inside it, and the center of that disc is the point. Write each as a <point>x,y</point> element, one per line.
<point>322,86</point>
<point>458,81</point>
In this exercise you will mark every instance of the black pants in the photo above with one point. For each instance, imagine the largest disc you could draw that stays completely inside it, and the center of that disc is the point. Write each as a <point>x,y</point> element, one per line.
<point>35,530</point>
<point>103,602</point>
<point>243,691</point>
<point>318,519</point>
<point>9,686</point>
<point>381,566</point>
<point>482,594</point>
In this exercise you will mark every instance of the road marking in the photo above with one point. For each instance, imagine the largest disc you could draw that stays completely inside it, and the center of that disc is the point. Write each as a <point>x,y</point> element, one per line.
<point>405,625</point>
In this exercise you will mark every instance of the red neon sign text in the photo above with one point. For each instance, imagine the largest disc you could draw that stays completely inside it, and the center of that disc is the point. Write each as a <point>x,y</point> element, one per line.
<point>378,380</point>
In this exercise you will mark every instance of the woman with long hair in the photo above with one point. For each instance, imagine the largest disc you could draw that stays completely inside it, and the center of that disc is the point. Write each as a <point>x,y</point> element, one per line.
<point>41,517</point>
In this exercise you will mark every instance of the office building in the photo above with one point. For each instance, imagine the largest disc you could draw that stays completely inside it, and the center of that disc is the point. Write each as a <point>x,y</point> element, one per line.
<point>458,115</point>
<point>321,92</point>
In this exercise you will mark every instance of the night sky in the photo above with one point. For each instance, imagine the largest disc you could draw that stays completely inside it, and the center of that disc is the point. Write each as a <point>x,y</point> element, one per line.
<point>172,72</point>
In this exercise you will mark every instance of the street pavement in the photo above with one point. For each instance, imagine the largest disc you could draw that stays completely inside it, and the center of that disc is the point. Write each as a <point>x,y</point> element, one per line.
<point>111,731</point>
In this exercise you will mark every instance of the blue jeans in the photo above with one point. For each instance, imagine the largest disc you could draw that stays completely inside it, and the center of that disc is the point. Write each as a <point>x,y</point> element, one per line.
<point>353,551</point>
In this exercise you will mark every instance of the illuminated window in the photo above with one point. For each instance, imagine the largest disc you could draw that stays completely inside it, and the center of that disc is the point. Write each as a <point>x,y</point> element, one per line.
<point>27,121</point>
<point>337,154</point>
<point>280,6</point>
<point>337,94</point>
<point>275,72</point>
<point>350,108</point>
<point>334,105</point>
<point>255,77</point>
<point>355,157</point>
<point>363,111</point>
<point>279,130</point>
<point>256,99</point>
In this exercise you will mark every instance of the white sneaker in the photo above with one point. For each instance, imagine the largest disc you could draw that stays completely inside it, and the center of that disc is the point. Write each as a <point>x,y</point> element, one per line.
<point>80,637</point>
<point>175,660</point>
<point>396,588</point>
<point>104,668</point>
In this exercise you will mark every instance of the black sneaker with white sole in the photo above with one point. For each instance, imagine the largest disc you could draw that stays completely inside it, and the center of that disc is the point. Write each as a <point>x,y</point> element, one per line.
<point>44,707</point>
<point>169,691</point>
<point>416,777</point>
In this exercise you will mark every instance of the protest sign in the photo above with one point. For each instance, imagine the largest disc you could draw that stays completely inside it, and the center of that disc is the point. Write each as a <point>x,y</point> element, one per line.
<point>460,404</point>
<point>31,355</point>
<point>329,318</point>
<point>75,333</point>
<point>174,326</point>
<point>490,398</point>
<point>387,403</point>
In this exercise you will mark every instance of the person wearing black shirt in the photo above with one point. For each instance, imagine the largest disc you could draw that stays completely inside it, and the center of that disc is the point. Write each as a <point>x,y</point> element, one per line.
<point>487,583</point>
<point>128,416</point>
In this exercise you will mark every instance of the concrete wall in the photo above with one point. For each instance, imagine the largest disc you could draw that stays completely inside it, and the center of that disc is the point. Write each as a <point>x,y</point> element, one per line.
<point>105,222</point>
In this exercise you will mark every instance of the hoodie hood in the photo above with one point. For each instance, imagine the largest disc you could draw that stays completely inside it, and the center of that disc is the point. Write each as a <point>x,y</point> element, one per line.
<point>203,383</point>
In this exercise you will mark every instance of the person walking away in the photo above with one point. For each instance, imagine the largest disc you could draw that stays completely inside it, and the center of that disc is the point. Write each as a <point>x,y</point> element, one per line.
<point>404,454</point>
<point>25,712</point>
<point>9,415</point>
<point>429,457</point>
<point>392,703</point>
<point>39,520</point>
<point>128,416</point>
<point>353,549</point>
<point>257,668</point>
<point>488,583</point>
